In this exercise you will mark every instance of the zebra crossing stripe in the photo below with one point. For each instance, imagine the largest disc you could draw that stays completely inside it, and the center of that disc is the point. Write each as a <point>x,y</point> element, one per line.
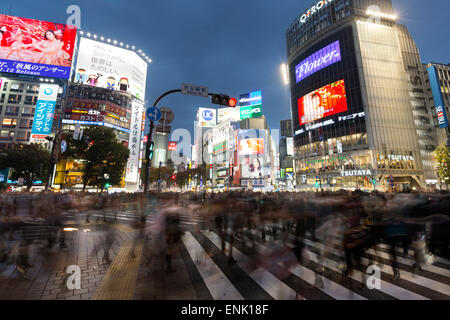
<point>386,287</point>
<point>405,275</point>
<point>217,283</point>
<point>329,287</point>
<point>411,253</point>
<point>409,262</point>
<point>277,289</point>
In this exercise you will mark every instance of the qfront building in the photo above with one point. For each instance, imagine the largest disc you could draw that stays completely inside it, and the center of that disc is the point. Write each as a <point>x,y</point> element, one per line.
<point>359,104</point>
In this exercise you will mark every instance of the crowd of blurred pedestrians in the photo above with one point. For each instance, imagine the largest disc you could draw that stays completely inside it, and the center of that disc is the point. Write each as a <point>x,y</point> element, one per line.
<point>352,222</point>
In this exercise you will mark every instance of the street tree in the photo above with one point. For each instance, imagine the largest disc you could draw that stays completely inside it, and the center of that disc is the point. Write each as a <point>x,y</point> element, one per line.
<point>28,161</point>
<point>443,161</point>
<point>105,157</point>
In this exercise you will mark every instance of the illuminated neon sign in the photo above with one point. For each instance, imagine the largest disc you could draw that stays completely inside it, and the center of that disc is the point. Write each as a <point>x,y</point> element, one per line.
<point>317,61</point>
<point>314,9</point>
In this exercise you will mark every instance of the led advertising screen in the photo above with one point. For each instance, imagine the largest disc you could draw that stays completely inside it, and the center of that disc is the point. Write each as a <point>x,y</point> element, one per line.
<point>36,48</point>
<point>250,105</point>
<point>318,61</point>
<point>249,147</point>
<point>107,66</point>
<point>323,102</point>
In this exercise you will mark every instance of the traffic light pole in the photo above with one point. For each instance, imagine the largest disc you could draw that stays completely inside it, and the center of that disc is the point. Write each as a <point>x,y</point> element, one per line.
<point>150,141</point>
<point>150,136</point>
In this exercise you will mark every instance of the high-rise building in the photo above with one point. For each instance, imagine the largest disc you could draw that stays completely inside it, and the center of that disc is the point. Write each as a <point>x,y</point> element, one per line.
<point>360,115</point>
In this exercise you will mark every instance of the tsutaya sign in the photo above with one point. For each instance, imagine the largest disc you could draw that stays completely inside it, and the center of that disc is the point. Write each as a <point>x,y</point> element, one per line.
<point>314,9</point>
<point>356,173</point>
<point>321,59</point>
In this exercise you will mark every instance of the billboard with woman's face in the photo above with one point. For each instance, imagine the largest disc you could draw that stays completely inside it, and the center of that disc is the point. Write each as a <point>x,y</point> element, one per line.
<point>37,48</point>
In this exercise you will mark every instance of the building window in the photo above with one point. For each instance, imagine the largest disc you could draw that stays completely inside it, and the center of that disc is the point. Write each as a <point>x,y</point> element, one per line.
<point>30,100</point>
<point>6,135</point>
<point>5,86</point>
<point>28,112</point>
<point>9,123</point>
<point>17,87</point>
<point>14,98</point>
<point>23,124</point>
<point>11,111</point>
<point>33,88</point>
<point>2,99</point>
<point>22,135</point>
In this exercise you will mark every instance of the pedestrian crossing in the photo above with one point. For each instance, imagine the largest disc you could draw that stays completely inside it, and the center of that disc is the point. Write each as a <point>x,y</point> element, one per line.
<point>270,270</point>
<point>187,220</point>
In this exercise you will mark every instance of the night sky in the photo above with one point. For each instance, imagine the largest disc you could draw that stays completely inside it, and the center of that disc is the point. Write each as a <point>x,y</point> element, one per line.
<point>233,46</point>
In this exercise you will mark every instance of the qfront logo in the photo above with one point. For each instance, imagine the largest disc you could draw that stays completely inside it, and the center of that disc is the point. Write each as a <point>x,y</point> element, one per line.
<point>314,9</point>
<point>208,115</point>
<point>48,92</point>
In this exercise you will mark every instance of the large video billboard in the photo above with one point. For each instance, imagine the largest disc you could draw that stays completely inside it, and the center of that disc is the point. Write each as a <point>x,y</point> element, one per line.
<point>36,48</point>
<point>323,102</point>
<point>250,105</point>
<point>317,61</point>
<point>103,65</point>
<point>249,147</point>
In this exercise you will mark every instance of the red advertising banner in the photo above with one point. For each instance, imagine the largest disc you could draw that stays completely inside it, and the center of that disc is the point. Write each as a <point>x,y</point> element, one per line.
<point>322,103</point>
<point>35,47</point>
<point>172,146</point>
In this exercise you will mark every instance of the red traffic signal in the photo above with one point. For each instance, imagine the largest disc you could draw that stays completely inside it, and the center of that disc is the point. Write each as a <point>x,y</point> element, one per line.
<point>232,102</point>
<point>174,177</point>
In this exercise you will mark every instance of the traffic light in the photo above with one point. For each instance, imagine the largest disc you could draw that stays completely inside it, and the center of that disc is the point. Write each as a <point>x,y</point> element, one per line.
<point>107,185</point>
<point>224,100</point>
<point>152,147</point>
<point>174,177</point>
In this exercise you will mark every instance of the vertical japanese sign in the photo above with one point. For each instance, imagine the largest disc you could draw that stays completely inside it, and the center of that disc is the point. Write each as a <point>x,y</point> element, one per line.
<point>437,96</point>
<point>45,109</point>
<point>134,144</point>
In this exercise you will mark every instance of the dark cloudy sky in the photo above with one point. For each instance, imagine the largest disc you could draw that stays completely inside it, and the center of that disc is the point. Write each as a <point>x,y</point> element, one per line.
<point>231,46</point>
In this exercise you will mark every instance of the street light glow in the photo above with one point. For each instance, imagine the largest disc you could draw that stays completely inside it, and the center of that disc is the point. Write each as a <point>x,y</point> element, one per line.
<point>285,74</point>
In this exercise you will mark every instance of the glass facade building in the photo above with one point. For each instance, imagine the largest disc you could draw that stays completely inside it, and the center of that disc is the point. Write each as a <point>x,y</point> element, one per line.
<point>360,117</point>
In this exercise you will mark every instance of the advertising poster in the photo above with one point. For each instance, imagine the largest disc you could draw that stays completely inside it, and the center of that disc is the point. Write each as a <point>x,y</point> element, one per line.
<point>252,168</point>
<point>107,66</point>
<point>36,48</point>
<point>438,98</point>
<point>45,109</point>
<point>251,105</point>
<point>290,146</point>
<point>134,143</point>
<point>323,102</point>
<point>207,117</point>
<point>172,146</point>
<point>228,114</point>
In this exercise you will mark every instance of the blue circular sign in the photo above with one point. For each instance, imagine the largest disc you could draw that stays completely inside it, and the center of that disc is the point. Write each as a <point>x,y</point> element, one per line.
<point>63,146</point>
<point>48,91</point>
<point>208,115</point>
<point>154,114</point>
